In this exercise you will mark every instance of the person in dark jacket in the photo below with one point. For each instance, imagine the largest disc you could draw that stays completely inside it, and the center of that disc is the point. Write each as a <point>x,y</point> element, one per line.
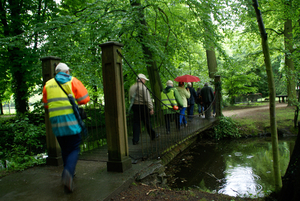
<point>207,94</point>
<point>169,97</point>
<point>191,101</point>
<point>198,101</point>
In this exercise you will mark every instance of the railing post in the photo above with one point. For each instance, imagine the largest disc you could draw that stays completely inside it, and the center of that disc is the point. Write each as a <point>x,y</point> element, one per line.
<point>115,111</point>
<point>218,96</point>
<point>54,153</point>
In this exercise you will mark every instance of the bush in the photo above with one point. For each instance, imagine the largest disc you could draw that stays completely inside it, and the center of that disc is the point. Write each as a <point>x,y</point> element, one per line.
<point>227,128</point>
<point>22,138</point>
<point>225,101</point>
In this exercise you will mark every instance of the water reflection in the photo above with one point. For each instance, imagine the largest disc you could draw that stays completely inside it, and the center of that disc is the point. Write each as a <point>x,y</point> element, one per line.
<point>239,180</point>
<point>237,168</point>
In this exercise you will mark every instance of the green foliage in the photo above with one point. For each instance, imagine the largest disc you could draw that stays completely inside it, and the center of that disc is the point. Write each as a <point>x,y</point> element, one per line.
<point>176,32</point>
<point>96,117</point>
<point>239,75</point>
<point>227,128</point>
<point>20,29</point>
<point>22,139</point>
<point>225,101</point>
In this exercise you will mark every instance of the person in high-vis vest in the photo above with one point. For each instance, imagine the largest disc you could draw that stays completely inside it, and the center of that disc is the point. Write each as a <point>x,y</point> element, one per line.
<point>169,97</point>
<point>63,121</point>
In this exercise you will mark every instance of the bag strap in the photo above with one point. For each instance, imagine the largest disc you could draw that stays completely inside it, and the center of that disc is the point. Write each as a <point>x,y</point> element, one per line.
<point>169,99</point>
<point>61,87</point>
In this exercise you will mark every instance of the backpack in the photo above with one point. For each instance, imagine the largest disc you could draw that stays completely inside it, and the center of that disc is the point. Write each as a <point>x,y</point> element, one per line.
<point>199,98</point>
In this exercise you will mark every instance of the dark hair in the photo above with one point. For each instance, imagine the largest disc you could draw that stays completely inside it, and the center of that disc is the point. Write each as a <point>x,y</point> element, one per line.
<point>181,83</point>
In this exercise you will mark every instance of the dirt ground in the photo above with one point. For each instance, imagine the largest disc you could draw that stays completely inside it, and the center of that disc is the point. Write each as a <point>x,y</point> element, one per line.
<point>139,191</point>
<point>240,113</point>
<point>144,193</point>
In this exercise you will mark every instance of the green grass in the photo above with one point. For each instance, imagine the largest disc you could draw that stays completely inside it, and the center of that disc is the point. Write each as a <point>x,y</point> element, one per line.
<point>259,122</point>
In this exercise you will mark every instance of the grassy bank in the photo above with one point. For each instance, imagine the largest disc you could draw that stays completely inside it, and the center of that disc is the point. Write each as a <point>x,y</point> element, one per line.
<point>257,122</point>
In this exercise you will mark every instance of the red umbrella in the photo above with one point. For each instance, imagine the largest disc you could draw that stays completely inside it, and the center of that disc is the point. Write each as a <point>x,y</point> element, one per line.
<point>187,78</point>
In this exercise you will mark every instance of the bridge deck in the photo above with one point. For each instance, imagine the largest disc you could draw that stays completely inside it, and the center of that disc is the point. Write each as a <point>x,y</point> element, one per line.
<point>149,149</point>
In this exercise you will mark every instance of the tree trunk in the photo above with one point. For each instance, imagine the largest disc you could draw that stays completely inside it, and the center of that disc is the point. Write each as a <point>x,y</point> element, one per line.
<point>13,27</point>
<point>290,68</point>
<point>210,49</point>
<point>296,112</point>
<point>155,81</point>
<point>19,86</point>
<point>274,136</point>
<point>152,70</point>
<point>211,62</point>
<point>1,108</point>
<point>291,180</point>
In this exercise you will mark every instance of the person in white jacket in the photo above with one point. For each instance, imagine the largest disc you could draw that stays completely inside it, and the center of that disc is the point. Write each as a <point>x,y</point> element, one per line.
<point>185,94</point>
<point>142,108</point>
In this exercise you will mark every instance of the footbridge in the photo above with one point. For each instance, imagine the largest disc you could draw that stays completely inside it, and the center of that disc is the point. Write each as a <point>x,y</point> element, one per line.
<point>110,127</point>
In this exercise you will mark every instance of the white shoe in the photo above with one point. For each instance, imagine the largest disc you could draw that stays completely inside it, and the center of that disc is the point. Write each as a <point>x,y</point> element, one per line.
<point>67,181</point>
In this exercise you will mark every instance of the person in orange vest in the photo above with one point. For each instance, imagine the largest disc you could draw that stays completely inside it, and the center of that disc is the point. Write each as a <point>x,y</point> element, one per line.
<point>63,121</point>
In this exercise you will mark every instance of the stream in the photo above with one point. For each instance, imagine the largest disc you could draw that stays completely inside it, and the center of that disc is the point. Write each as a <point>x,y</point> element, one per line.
<point>242,167</point>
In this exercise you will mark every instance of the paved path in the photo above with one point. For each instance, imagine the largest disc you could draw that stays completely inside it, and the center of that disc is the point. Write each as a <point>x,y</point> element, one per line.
<point>92,181</point>
<point>43,183</point>
<point>244,112</point>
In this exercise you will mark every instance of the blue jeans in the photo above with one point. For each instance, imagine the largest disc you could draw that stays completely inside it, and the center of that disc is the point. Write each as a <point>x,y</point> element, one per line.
<point>182,116</point>
<point>200,108</point>
<point>190,111</point>
<point>69,150</point>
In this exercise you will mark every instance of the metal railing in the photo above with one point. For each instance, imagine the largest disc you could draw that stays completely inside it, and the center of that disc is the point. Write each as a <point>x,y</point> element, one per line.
<point>146,147</point>
<point>150,131</point>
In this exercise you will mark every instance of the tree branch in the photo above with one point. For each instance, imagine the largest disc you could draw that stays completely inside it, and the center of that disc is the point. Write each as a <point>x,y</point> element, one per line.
<point>278,33</point>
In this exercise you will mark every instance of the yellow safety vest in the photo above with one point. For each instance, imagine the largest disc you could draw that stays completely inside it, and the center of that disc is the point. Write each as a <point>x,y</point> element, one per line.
<point>58,102</point>
<point>165,100</point>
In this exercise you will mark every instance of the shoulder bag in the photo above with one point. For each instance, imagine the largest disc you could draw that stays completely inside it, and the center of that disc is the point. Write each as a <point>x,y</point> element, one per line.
<point>79,112</point>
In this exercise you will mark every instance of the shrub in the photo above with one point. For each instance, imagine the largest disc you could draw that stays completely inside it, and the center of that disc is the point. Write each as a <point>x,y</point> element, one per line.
<point>225,101</point>
<point>22,138</point>
<point>227,128</point>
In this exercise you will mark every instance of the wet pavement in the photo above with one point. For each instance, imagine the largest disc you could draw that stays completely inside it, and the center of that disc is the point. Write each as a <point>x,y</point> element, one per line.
<point>92,182</point>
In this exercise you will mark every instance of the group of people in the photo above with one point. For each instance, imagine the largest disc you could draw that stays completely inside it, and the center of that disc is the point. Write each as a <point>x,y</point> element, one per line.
<point>65,124</point>
<point>185,99</point>
<point>204,98</point>
<point>172,98</point>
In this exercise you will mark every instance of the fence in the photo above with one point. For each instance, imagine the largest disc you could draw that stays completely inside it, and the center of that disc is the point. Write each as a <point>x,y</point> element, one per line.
<point>160,122</point>
<point>110,126</point>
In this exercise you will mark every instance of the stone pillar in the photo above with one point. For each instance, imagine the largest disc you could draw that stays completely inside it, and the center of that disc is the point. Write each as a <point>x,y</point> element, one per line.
<point>54,153</point>
<point>218,96</point>
<point>115,111</point>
